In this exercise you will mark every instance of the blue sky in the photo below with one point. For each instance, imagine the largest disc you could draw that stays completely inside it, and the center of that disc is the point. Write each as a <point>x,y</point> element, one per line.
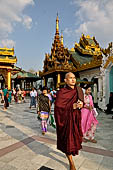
<point>29,26</point>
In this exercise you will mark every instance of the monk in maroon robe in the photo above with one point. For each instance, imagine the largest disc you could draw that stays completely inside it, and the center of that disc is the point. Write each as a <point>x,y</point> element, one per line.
<point>69,100</point>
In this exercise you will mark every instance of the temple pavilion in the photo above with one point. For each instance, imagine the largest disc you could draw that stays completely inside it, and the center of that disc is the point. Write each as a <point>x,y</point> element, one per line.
<point>11,75</point>
<point>58,62</point>
<point>84,59</point>
<point>7,61</point>
<point>24,79</point>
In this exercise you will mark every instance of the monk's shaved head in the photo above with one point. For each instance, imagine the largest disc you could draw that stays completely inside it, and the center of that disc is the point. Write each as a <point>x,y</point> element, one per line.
<point>68,74</point>
<point>70,79</point>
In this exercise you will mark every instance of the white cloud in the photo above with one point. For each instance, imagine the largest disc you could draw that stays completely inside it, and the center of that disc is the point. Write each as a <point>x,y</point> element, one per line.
<point>12,12</point>
<point>95,17</point>
<point>27,22</point>
<point>8,43</point>
<point>67,31</point>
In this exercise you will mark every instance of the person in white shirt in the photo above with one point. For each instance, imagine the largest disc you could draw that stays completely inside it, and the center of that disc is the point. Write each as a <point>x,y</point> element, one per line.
<point>33,96</point>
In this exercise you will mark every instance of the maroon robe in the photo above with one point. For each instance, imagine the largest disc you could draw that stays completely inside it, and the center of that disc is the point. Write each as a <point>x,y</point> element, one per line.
<point>68,120</point>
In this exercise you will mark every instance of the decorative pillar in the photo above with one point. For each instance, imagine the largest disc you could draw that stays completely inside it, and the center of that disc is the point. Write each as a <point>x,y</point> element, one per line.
<point>34,84</point>
<point>22,84</point>
<point>13,84</point>
<point>95,93</point>
<point>25,86</point>
<point>58,80</point>
<point>104,93</point>
<point>9,79</point>
<point>100,88</point>
<point>44,81</point>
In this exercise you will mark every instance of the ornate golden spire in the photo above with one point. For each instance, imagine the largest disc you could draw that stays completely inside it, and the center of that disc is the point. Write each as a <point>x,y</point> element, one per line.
<point>62,44</point>
<point>57,25</point>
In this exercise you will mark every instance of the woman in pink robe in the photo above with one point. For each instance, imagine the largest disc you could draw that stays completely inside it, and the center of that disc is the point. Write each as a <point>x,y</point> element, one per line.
<point>89,121</point>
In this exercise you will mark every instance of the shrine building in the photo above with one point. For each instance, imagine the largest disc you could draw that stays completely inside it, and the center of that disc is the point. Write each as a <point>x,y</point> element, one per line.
<point>58,62</point>
<point>7,61</point>
<point>84,59</point>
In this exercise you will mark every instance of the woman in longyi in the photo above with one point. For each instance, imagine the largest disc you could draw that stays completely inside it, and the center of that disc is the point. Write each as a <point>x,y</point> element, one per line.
<point>89,121</point>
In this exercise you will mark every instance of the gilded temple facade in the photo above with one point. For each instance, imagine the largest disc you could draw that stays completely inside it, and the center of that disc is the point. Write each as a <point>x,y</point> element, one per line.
<point>90,63</point>
<point>58,62</point>
<point>87,58</point>
<point>84,59</point>
<point>7,61</point>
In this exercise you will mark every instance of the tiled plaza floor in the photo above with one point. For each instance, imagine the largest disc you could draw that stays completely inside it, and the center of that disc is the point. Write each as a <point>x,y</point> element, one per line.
<point>22,147</point>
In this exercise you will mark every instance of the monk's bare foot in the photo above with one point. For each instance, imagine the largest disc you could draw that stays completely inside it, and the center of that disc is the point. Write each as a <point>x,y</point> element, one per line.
<point>72,167</point>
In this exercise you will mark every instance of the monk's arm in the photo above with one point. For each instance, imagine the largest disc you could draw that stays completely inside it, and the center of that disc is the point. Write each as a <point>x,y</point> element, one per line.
<point>80,94</point>
<point>80,102</point>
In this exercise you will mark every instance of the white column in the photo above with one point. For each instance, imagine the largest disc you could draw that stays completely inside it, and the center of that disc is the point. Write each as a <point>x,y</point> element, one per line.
<point>95,93</point>
<point>12,84</point>
<point>100,92</point>
<point>100,88</point>
<point>22,84</point>
<point>34,84</point>
<point>104,93</point>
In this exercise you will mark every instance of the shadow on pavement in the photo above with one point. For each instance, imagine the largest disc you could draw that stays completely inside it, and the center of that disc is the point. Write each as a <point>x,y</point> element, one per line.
<point>45,168</point>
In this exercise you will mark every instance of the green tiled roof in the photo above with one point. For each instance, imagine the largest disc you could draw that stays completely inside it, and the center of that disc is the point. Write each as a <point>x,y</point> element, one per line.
<point>17,68</point>
<point>24,75</point>
<point>82,59</point>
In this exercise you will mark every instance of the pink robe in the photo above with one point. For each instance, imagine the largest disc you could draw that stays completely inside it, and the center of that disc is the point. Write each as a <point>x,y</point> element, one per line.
<point>88,119</point>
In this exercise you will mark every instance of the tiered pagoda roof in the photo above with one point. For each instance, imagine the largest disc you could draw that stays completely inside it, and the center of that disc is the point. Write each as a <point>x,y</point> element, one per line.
<point>7,56</point>
<point>59,59</point>
<point>86,54</point>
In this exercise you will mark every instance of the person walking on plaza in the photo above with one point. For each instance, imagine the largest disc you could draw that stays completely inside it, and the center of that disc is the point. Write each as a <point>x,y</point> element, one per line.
<point>89,121</point>
<point>10,96</point>
<point>53,93</point>
<point>69,101</point>
<point>6,95</point>
<point>50,96</point>
<point>43,109</point>
<point>23,95</point>
<point>14,94</point>
<point>2,95</point>
<point>19,94</point>
<point>33,96</point>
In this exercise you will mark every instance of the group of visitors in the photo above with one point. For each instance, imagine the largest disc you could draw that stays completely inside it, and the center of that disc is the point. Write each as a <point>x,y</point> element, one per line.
<point>18,95</point>
<point>7,96</point>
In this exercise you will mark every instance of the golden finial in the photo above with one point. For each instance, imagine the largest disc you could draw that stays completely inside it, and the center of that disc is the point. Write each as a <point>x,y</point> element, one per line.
<point>57,24</point>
